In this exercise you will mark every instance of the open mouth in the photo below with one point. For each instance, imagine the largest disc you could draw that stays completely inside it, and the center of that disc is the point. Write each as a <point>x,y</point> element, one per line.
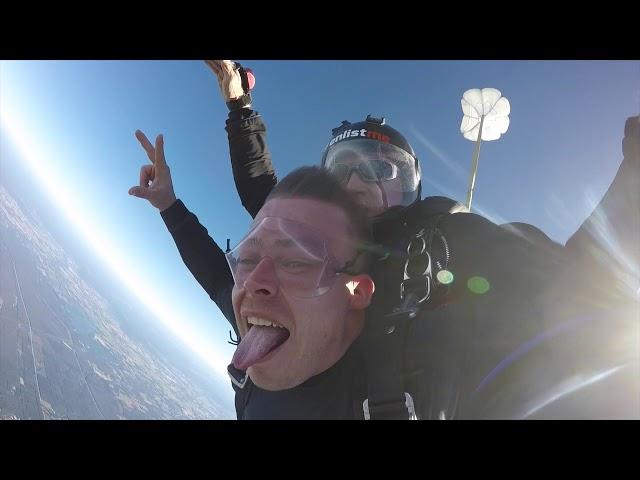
<point>251,321</point>
<point>262,338</point>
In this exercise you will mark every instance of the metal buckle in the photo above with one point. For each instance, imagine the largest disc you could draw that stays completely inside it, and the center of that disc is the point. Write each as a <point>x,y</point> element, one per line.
<point>411,409</point>
<point>427,287</point>
<point>417,252</point>
<point>238,383</point>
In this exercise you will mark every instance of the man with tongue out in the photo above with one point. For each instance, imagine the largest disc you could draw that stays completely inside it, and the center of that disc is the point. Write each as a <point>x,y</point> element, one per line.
<point>298,298</point>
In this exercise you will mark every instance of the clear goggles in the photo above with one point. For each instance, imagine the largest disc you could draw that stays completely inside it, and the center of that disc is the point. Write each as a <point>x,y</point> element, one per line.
<point>294,252</point>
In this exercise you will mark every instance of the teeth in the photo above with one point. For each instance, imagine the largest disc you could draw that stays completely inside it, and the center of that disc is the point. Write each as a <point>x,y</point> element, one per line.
<point>261,321</point>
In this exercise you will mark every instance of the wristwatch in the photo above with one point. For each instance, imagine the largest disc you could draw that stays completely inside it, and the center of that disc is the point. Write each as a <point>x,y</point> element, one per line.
<point>239,102</point>
<point>244,100</point>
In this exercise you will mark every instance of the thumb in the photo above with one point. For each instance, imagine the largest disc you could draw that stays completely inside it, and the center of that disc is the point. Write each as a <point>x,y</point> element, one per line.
<point>139,192</point>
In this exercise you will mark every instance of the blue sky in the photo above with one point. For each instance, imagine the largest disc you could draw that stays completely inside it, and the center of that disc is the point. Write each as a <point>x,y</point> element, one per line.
<point>560,153</point>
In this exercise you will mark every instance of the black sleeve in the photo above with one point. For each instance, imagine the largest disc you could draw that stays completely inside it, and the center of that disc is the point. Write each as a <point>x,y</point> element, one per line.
<point>250,158</point>
<point>202,256</point>
<point>610,236</point>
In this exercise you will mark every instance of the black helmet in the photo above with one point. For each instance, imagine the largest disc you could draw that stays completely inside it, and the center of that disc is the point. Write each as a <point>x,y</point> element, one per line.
<point>387,153</point>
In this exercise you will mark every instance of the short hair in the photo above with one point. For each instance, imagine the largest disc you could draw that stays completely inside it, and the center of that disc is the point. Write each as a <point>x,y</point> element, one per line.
<point>319,184</point>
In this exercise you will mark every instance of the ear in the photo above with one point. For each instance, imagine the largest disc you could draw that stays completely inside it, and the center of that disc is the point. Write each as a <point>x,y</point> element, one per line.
<point>361,288</point>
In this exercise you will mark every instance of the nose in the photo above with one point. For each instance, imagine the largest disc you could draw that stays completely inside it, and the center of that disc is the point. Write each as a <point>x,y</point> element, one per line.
<point>262,281</point>
<point>354,183</point>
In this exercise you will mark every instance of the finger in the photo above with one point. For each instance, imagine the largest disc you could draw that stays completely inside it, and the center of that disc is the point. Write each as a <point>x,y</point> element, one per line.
<point>229,67</point>
<point>139,192</point>
<point>146,144</point>
<point>146,175</point>
<point>160,161</point>
<point>215,66</point>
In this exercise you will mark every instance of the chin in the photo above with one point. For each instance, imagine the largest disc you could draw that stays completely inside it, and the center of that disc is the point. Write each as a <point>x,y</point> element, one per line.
<point>270,382</point>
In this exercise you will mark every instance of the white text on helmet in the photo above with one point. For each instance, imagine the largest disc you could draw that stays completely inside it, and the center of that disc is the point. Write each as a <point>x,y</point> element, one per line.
<point>363,132</point>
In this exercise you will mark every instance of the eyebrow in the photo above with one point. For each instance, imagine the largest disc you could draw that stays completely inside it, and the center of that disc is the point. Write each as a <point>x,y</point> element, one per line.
<point>279,242</point>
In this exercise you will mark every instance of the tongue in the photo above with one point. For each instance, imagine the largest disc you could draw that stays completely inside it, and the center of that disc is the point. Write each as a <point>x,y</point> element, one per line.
<point>256,344</point>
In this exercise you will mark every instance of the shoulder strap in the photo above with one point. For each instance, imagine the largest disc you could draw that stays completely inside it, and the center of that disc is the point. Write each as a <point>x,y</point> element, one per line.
<point>383,354</point>
<point>385,335</point>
